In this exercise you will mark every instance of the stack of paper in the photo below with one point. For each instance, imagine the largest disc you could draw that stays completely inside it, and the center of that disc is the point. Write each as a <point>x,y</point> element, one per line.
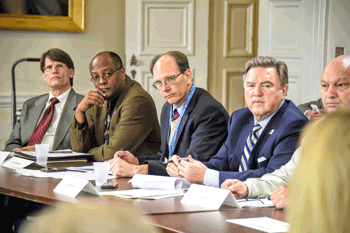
<point>152,187</point>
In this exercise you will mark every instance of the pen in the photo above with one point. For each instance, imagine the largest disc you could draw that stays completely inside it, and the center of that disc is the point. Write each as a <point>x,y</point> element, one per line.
<point>170,160</point>
<point>121,156</point>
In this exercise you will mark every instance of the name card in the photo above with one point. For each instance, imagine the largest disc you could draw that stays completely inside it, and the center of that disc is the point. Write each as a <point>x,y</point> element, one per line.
<point>3,156</point>
<point>16,163</point>
<point>71,186</point>
<point>209,197</point>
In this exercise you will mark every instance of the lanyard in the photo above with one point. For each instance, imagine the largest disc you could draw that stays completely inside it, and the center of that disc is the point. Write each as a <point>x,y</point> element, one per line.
<point>187,101</point>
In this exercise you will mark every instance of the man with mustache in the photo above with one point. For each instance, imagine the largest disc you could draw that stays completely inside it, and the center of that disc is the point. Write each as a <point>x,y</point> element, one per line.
<point>335,94</point>
<point>261,138</point>
<point>117,114</point>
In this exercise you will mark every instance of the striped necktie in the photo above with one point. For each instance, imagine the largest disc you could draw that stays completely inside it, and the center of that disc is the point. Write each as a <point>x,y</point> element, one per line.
<point>251,140</point>
<point>44,123</point>
<point>175,115</point>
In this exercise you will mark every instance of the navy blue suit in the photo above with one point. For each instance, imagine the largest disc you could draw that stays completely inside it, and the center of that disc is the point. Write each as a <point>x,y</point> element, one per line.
<point>274,148</point>
<point>202,131</point>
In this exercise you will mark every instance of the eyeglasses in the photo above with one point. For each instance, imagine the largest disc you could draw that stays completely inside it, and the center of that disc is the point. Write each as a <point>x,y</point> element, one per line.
<point>168,81</point>
<point>48,69</point>
<point>106,75</point>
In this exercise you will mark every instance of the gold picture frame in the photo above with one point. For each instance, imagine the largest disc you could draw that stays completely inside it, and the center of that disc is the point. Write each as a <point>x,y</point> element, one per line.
<point>74,22</point>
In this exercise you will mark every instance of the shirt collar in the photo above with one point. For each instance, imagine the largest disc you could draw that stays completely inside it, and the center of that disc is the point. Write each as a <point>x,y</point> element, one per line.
<point>62,98</point>
<point>179,109</point>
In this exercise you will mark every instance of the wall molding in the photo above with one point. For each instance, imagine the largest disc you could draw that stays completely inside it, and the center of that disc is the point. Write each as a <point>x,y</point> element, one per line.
<point>5,101</point>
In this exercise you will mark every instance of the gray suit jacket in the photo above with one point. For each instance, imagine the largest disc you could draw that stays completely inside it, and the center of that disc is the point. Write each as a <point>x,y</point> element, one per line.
<point>307,106</point>
<point>30,115</point>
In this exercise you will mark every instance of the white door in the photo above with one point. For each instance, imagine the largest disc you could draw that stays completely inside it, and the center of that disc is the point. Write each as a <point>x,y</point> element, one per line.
<point>157,26</point>
<point>294,31</point>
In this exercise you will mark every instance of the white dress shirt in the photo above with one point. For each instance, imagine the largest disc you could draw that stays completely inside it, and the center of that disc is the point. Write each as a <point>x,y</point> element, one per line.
<point>49,136</point>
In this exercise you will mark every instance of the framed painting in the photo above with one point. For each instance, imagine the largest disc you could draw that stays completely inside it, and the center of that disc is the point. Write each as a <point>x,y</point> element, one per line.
<point>71,21</point>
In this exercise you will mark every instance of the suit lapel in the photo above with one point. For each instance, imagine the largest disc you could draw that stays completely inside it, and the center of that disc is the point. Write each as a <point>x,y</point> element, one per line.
<point>66,119</point>
<point>270,128</point>
<point>33,117</point>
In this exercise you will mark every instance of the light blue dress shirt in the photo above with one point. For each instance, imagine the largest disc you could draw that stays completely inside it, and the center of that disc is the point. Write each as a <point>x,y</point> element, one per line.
<point>211,177</point>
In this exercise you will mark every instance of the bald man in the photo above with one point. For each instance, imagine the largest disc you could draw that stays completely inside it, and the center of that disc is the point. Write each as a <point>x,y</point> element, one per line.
<point>335,93</point>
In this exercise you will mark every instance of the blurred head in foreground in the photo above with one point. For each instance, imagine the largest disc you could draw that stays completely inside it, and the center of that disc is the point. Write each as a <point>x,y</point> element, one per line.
<point>320,190</point>
<point>90,217</point>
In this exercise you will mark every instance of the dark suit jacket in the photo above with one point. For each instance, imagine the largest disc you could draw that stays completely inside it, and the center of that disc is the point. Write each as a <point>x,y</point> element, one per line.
<point>30,115</point>
<point>274,148</point>
<point>134,126</point>
<point>201,132</point>
<point>307,106</point>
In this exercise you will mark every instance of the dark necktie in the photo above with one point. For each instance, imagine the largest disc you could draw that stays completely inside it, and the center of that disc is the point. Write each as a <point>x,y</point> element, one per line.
<point>251,140</point>
<point>109,114</point>
<point>44,123</point>
<point>175,115</point>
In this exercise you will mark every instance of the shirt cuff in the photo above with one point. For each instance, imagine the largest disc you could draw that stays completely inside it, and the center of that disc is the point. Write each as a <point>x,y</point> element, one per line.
<point>306,114</point>
<point>79,126</point>
<point>211,178</point>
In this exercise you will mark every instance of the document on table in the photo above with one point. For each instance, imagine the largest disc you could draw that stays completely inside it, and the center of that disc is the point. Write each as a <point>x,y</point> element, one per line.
<point>152,187</point>
<point>159,182</point>
<point>151,194</point>
<point>265,224</point>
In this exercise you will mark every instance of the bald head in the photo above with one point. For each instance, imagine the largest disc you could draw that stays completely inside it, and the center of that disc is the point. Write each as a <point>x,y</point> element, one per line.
<point>335,89</point>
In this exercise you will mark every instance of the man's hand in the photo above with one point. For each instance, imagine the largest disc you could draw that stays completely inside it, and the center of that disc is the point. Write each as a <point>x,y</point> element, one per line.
<point>192,170</point>
<point>27,148</point>
<point>171,168</point>
<point>279,197</point>
<point>121,168</point>
<point>92,98</point>
<point>237,187</point>
<point>314,115</point>
<point>127,156</point>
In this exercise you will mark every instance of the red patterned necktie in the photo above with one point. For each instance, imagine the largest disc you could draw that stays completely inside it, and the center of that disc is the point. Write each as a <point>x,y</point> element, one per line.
<point>44,123</point>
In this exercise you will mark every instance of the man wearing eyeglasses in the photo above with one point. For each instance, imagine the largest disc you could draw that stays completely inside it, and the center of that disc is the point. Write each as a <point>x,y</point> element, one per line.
<point>44,119</point>
<point>261,138</point>
<point>335,94</point>
<point>192,121</point>
<point>117,115</point>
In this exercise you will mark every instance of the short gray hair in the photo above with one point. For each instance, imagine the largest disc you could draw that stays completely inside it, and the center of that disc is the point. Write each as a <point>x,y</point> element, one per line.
<point>261,61</point>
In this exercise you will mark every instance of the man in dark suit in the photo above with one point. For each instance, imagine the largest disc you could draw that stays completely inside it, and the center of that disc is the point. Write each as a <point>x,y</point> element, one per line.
<point>192,121</point>
<point>58,73</point>
<point>262,137</point>
<point>117,114</point>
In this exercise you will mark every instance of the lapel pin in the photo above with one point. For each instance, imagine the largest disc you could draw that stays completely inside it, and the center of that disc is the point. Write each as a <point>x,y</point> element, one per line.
<point>271,131</point>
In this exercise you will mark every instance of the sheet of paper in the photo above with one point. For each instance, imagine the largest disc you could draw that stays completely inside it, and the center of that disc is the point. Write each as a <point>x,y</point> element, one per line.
<point>253,203</point>
<point>16,163</point>
<point>3,156</point>
<point>143,193</point>
<point>159,182</point>
<point>209,197</point>
<point>60,175</point>
<point>265,224</point>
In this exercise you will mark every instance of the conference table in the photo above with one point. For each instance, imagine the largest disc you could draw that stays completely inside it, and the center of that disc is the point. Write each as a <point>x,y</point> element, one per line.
<point>168,215</point>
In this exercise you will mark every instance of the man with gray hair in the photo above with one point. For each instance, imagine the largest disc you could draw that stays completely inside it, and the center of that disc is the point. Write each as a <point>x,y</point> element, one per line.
<point>261,138</point>
<point>335,94</point>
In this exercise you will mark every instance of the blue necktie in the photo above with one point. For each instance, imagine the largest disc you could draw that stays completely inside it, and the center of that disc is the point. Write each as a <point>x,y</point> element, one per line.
<point>251,140</point>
